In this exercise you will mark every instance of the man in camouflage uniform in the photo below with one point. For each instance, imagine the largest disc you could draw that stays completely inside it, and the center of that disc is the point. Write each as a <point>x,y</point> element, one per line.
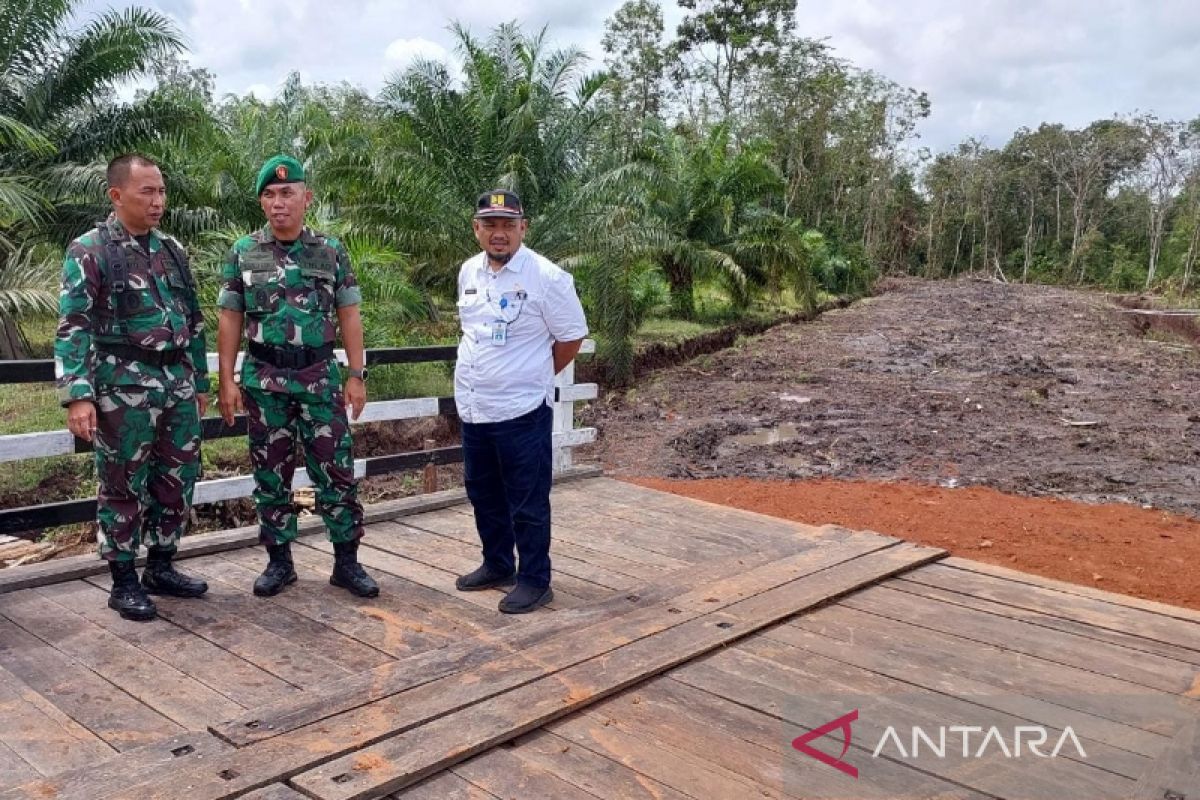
<point>286,282</point>
<point>132,373</point>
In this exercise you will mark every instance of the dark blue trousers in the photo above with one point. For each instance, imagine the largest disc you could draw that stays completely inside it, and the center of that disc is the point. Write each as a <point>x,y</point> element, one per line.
<point>507,469</point>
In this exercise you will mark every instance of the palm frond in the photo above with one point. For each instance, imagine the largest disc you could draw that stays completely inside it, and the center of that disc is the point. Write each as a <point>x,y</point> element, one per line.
<point>27,285</point>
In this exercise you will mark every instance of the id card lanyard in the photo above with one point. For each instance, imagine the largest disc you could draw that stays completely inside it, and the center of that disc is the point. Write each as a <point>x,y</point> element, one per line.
<point>500,325</point>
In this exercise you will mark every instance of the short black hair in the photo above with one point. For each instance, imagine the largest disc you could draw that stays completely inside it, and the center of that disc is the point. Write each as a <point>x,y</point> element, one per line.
<point>119,168</point>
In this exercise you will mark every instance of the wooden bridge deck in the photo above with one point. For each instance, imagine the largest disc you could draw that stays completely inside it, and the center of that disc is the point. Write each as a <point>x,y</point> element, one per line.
<point>688,646</point>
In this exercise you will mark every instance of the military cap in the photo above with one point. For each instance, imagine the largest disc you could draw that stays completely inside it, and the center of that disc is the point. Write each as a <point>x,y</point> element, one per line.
<point>279,169</point>
<point>498,203</point>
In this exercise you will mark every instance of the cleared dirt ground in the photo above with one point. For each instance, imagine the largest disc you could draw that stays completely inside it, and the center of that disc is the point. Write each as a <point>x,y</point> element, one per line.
<point>1035,427</point>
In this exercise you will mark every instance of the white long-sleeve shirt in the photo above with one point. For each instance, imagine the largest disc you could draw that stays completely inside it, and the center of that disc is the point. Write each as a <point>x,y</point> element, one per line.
<point>529,304</point>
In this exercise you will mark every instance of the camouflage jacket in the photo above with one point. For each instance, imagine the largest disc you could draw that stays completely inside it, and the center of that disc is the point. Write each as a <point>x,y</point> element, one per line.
<point>290,297</point>
<point>158,311</point>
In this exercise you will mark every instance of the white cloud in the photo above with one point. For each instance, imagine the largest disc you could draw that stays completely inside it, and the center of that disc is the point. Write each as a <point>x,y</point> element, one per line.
<point>260,91</point>
<point>988,67</point>
<point>405,51</point>
<point>992,67</point>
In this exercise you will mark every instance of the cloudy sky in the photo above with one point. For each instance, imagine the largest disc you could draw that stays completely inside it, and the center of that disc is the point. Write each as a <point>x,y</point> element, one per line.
<point>989,67</point>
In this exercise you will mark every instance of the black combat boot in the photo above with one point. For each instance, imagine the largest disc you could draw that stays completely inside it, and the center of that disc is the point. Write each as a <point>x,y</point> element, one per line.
<point>279,572</point>
<point>348,573</point>
<point>127,597</point>
<point>161,577</point>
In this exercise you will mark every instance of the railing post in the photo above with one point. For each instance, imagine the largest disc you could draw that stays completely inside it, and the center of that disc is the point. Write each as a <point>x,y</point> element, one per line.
<point>430,474</point>
<point>564,417</point>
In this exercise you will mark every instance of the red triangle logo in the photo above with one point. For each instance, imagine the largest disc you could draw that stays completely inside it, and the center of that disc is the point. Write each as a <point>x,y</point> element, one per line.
<point>841,723</point>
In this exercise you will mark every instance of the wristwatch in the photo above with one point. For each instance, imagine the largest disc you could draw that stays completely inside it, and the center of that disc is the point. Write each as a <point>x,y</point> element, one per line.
<point>359,373</point>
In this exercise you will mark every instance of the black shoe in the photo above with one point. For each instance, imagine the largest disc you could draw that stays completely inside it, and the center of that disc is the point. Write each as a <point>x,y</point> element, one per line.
<point>279,572</point>
<point>127,596</point>
<point>348,573</point>
<point>161,577</point>
<point>525,598</point>
<point>485,577</point>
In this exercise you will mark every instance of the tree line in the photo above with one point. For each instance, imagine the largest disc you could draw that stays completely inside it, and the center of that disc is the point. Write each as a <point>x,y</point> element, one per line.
<point>729,156</point>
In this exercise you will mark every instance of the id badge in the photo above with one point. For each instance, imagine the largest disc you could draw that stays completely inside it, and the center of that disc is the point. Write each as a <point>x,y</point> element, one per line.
<point>499,333</point>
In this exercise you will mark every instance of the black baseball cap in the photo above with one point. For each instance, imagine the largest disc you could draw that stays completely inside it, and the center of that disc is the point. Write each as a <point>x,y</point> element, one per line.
<point>499,203</point>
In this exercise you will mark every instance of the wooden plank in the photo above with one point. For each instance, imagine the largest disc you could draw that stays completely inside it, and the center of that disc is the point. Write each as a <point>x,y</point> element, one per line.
<point>446,786</point>
<point>17,446</point>
<point>269,646</point>
<point>1091,655</point>
<point>40,444</point>
<point>13,768</point>
<point>1178,612</point>
<point>390,679</point>
<point>686,727</point>
<point>723,529</point>
<point>90,700</point>
<point>1150,647</point>
<point>598,774</point>
<point>149,762</point>
<point>407,757</point>
<point>278,791</point>
<point>596,538</point>
<point>234,677</point>
<point>1175,774</point>
<point>564,413</point>
<point>501,773</point>
<point>631,497</point>
<point>65,569</point>
<point>885,699</point>
<point>684,771</point>
<point>593,526</point>
<point>762,683</point>
<point>442,579</point>
<point>987,675</point>
<point>457,620</point>
<point>391,623</point>
<point>576,392</point>
<point>438,580</point>
<point>172,693</point>
<point>43,739</point>
<point>1100,613</point>
<point>60,570</point>
<point>457,535</point>
<point>477,725</point>
<point>608,569</point>
<point>450,554</point>
<point>316,640</point>
<point>672,538</point>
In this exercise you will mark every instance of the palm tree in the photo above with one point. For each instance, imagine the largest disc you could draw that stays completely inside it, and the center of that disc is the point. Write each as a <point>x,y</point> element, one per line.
<point>58,123</point>
<point>697,194</point>
<point>522,119</point>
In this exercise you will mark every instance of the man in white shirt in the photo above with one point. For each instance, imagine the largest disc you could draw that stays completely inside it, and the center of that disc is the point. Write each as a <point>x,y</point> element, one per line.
<point>522,323</point>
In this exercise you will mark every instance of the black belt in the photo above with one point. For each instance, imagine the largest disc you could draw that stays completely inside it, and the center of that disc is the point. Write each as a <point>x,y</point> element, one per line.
<point>290,357</point>
<point>129,352</point>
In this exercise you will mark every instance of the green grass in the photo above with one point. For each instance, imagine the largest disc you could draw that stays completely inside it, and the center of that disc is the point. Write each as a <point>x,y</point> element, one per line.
<point>397,381</point>
<point>30,407</point>
<point>670,331</point>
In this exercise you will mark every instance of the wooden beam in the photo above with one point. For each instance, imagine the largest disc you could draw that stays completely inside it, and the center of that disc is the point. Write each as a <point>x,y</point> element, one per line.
<point>102,777</point>
<point>443,722</point>
<point>1175,775</point>
<point>65,569</point>
<point>405,758</point>
<point>267,722</point>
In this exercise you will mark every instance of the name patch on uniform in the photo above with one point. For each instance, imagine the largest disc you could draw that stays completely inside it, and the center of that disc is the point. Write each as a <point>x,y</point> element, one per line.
<point>472,290</point>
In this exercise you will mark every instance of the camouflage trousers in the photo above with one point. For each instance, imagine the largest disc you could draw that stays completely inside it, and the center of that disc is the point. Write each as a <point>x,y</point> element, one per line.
<point>147,461</point>
<point>275,421</point>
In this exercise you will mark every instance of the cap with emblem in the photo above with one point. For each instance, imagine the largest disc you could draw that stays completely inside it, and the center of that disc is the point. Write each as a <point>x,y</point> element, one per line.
<point>498,203</point>
<point>280,169</point>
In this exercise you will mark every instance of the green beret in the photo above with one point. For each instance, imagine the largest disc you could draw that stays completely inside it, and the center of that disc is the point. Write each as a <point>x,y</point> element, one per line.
<point>280,169</point>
